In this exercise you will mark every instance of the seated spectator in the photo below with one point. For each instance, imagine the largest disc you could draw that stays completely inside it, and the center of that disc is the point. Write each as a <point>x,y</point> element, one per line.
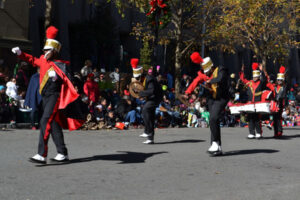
<point>292,106</point>
<point>126,111</point>
<point>192,116</point>
<point>99,113</point>
<point>166,114</point>
<point>287,117</point>
<point>110,120</point>
<point>115,98</point>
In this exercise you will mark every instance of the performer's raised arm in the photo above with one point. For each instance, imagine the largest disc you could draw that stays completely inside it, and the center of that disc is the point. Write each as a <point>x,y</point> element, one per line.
<point>197,59</point>
<point>242,76</point>
<point>26,57</point>
<point>199,79</point>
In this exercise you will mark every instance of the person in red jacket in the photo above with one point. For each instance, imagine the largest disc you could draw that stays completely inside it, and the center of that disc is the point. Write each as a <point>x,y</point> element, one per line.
<point>59,98</point>
<point>91,89</point>
<point>254,92</point>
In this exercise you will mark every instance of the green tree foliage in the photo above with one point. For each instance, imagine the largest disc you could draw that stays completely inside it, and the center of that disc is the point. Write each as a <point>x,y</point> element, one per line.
<point>182,24</point>
<point>267,27</point>
<point>146,55</point>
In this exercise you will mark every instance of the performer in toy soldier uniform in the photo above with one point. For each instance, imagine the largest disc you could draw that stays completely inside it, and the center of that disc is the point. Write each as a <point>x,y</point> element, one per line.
<point>279,91</point>
<point>152,95</point>
<point>217,79</point>
<point>256,86</point>
<point>59,98</point>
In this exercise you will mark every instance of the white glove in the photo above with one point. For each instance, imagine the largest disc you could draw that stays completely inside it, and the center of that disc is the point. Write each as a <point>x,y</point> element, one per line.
<point>16,50</point>
<point>52,74</point>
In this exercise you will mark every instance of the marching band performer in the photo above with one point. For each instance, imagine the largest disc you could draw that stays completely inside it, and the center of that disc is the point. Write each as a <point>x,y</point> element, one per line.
<point>255,90</point>
<point>151,94</point>
<point>279,91</point>
<point>59,98</point>
<point>217,79</point>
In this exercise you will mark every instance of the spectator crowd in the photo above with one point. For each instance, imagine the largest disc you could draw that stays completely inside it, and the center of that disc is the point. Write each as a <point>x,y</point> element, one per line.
<point>110,105</point>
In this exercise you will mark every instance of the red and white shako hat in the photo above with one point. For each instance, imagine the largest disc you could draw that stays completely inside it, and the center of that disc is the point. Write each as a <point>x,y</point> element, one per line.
<point>206,63</point>
<point>255,70</point>
<point>136,69</point>
<point>280,75</point>
<point>51,43</point>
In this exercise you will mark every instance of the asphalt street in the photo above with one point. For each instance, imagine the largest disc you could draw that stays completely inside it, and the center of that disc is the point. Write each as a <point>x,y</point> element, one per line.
<point>115,165</point>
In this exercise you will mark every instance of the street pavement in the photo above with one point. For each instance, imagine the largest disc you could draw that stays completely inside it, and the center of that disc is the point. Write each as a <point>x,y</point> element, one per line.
<point>115,165</point>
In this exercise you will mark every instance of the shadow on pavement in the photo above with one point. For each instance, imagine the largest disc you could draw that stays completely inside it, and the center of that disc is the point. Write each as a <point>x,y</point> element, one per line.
<point>283,137</point>
<point>180,141</point>
<point>248,151</point>
<point>125,157</point>
<point>291,129</point>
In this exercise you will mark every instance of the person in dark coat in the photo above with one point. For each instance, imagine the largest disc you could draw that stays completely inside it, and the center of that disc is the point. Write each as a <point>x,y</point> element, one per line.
<point>33,97</point>
<point>153,95</point>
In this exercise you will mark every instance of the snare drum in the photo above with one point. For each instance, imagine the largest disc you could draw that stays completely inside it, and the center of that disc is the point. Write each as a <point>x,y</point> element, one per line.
<point>262,107</point>
<point>248,108</point>
<point>235,109</point>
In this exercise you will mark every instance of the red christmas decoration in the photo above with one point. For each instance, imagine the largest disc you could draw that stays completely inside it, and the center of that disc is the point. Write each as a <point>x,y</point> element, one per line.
<point>154,4</point>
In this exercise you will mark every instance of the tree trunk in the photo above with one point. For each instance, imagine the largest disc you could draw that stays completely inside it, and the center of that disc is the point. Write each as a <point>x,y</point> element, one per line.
<point>178,65</point>
<point>178,50</point>
<point>48,13</point>
<point>264,61</point>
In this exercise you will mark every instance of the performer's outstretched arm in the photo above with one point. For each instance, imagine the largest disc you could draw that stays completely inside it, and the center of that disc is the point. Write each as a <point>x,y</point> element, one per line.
<point>242,77</point>
<point>199,79</point>
<point>36,62</point>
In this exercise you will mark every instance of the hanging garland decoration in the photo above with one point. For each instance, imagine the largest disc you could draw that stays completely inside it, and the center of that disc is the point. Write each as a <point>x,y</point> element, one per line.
<point>161,10</point>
